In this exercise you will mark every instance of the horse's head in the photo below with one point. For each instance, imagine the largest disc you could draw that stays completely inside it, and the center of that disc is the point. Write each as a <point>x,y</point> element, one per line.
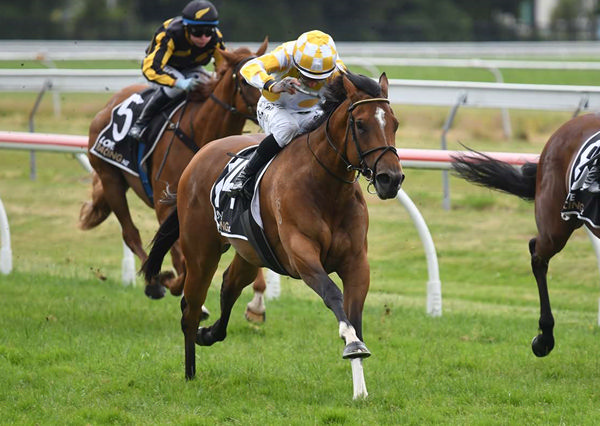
<point>243,97</point>
<point>371,126</point>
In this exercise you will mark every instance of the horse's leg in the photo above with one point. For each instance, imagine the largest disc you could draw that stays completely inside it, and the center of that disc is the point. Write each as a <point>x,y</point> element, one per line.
<point>255,309</point>
<point>553,234</point>
<point>168,279</point>
<point>115,188</point>
<point>306,258</point>
<point>94,212</point>
<point>238,275</point>
<point>356,278</point>
<point>197,276</point>
<point>355,349</point>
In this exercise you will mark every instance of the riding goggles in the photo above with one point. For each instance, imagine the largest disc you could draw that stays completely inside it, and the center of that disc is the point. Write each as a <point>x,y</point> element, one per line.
<point>201,30</point>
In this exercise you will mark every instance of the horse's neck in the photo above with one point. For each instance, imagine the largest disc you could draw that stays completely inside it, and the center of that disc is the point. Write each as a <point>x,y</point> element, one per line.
<point>212,121</point>
<point>318,168</point>
<point>328,152</point>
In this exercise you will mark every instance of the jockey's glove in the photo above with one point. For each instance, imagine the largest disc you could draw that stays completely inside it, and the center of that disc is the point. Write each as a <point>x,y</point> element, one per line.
<point>288,84</point>
<point>187,84</point>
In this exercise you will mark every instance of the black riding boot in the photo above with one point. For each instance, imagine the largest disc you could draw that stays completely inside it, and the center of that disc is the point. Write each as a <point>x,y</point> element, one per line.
<point>154,104</point>
<point>266,150</point>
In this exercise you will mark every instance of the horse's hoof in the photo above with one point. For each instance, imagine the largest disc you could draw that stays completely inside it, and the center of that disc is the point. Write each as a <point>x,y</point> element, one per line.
<point>203,337</point>
<point>541,345</point>
<point>254,317</point>
<point>204,314</point>
<point>155,291</point>
<point>356,350</point>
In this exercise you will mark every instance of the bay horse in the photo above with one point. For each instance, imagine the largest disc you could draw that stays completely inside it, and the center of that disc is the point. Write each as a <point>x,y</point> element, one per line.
<point>314,215</point>
<point>219,108</point>
<point>546,184</point>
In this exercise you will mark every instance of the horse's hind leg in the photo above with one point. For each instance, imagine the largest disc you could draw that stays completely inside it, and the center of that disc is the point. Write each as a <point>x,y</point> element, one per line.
<point>543,343</point>
<point>255,309</point>
<point>553,234</point>
<point>94,212</point>
<point>237,276</point>
<point>115,188</point>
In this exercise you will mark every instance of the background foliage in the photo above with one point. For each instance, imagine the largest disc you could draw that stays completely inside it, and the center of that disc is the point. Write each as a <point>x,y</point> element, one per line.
<point>242,20</point>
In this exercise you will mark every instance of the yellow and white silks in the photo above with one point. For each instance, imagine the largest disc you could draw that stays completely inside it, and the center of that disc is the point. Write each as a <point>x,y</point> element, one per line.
<point>285,115</point>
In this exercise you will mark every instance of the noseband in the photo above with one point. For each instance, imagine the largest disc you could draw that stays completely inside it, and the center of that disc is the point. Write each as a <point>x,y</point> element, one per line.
<point>251,114</point>
<point>362,168</point>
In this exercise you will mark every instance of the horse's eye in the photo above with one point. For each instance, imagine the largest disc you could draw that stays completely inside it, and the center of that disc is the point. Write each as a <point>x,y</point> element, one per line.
<point>360,126</point>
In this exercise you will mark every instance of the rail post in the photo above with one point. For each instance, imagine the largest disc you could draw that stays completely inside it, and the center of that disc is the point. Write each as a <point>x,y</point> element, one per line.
<point>460,100</point>
<point>5,252</point>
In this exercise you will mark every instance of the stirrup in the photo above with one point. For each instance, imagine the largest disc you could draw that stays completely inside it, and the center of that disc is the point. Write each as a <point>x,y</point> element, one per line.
<point>238,184</point>
<point>245,190</point>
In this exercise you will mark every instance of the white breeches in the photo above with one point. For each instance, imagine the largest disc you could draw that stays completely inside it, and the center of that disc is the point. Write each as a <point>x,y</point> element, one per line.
<point>282,123</point>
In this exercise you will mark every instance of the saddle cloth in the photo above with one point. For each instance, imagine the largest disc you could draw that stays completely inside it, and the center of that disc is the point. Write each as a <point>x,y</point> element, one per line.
<point>236,217</point>
<point>112,144</point>
<point>583,199</point>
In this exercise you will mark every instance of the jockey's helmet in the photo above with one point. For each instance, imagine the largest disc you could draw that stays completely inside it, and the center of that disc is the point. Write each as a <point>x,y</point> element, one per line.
<point>315,55</point>
<point>200,13</point>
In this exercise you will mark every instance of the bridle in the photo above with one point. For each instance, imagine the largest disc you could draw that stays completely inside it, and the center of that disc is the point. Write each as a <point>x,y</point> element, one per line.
<point>251,113</point>
<point>362,168</point>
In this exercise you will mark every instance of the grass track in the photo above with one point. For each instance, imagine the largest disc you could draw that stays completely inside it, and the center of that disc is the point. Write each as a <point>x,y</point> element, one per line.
<point>78,348</point>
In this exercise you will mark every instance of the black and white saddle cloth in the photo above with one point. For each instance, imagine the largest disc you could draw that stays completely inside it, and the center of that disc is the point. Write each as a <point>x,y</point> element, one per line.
<point>112,143</point>
<point>583,200</point>
<point>239,218</point>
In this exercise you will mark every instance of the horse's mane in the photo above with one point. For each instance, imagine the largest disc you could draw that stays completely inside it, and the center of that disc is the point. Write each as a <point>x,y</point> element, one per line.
<point>206,89</point>
<point>335,94</point>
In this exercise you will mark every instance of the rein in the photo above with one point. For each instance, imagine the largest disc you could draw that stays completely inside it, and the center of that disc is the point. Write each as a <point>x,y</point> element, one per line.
<point>362,168</point>
<point>251,115</point>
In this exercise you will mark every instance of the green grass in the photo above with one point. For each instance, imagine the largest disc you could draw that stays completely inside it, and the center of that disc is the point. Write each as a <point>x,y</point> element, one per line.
<point>76,347</point>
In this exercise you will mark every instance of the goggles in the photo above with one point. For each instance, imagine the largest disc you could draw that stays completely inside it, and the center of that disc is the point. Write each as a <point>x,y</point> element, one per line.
<point>201,30</point>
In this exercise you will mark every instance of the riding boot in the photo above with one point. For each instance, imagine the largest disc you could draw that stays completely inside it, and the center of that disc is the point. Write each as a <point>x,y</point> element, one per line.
<point>153,105</point>
<point>266,150</point>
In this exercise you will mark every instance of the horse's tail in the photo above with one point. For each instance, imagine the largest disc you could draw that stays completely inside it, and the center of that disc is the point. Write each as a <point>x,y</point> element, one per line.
<point>94,212</point>
<point>483,170</point>
<point>165,237</point>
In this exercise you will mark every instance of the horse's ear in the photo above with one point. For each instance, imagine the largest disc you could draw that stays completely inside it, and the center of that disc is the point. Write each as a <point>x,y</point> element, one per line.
<point>349,87</point>
<point>226,54</point>
<point>263,47</point>
<point>383,82</point>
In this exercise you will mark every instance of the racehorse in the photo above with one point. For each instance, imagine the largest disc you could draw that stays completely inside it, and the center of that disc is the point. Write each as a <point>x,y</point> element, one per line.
<point>220,108</point>
<point>313,211</point>
<point>546,183</point>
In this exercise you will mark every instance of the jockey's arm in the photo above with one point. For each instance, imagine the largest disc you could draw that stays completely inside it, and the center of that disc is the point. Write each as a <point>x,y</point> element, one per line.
<point>257,72</point>
<point>155,61</point>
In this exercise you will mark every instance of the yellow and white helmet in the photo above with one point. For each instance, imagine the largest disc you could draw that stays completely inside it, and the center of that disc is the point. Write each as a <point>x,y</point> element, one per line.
<point>315,55</point>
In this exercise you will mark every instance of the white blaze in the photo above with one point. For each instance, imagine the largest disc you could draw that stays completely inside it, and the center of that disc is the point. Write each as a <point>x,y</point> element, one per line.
<point>380,116</point>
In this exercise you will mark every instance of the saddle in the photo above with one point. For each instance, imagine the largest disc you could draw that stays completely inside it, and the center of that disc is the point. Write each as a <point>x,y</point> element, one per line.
<point>239,218</point>
<point>583,199</point>
<point>113,146</point>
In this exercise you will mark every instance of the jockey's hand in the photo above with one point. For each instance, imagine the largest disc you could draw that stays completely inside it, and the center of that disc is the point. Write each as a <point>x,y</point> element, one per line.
<point>187,84</point>
<point>288,84</point>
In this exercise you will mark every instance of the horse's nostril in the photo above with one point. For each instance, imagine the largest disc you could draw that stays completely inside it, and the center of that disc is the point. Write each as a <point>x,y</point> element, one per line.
<point>383,178</point>
<point>402,176</point>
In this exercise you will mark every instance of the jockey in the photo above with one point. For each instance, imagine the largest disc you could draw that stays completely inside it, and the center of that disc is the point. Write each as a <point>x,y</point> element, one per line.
<point>292,79</point>
<point>175,58</point>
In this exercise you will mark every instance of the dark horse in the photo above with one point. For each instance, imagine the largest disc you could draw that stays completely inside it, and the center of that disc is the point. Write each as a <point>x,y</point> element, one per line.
<point>313,211</point>
<point>220,108</point>
<point>546,183</point>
